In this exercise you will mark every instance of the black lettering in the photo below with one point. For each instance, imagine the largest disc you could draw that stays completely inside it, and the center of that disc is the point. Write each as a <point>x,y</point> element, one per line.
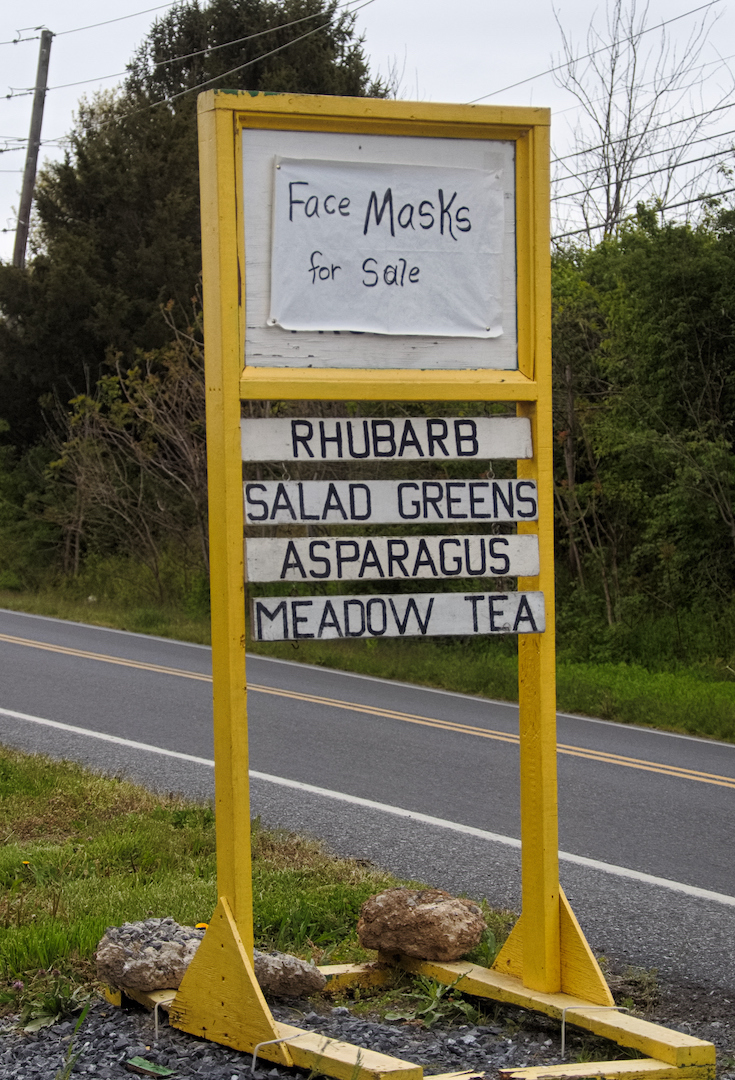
<point>397,559</point>
<point>373,205</point>
<point>256,502</point>
<point>319,558</point>
<point>409,221</point>
<point>470,571</point>
<point>499,541</point>
<point>425,213</point>
<point>328,211</point>
<point>452,500</point>
<point>412,606</point>
<point>389,438</point>
<point>354,516</point>
<point>432,500</point>
<point>261,610</point>
<point>345,545</point>
<point>333,623</point>
<point>524,614</point>
<point>296,618</point>
<point>475,600</point>
<point>367,270</point>
<point>282,502</point>
<point>474,512</point>
<point>315,208</point>
<point>333,502</point>
<point>409,438</point>
<point>291,201</point>
<point>444,211</point>
<point>348,605</point>
<point>303,439</point>
<point>376,602</point>
<point>302,508</point>
<point>471,438</point>
<point>431,427</point>
<point>343,204</point>
<point>533,512</point>
<point>456,569</point>
<point>506,499</point>
<point>350,445</point>
<point>497,598</point>
<point>415,504</point>
<point>423,558</point>
<point>390,274</point>
<point>413,275</point>
<point>331,438</point>
<point>292,561</point>
<point>370,559</point>
<point>462,223</point>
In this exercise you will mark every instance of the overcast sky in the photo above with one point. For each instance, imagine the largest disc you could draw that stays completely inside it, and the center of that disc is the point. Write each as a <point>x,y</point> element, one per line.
<point>446,50</point>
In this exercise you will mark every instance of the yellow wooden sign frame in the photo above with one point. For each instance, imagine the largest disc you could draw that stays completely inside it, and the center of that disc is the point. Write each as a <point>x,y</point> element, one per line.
<point>546,963</point>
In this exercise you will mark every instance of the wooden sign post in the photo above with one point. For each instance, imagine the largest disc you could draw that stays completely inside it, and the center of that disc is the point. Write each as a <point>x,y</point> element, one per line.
<point>369,250</point>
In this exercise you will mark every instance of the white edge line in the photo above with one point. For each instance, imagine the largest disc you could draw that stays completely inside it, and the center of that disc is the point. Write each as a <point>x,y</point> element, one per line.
<point>104,737</point>
<point>385,808</point>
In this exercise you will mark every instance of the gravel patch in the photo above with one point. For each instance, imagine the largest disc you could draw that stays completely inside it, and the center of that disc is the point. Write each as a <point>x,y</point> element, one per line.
<point>111,1036</point>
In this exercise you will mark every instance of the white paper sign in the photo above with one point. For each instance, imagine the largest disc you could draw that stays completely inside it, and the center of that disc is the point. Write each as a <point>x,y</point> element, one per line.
<point>387,248</point>
<point>373,558</point>
<point>290,618</point>
<point>388,502</point>
<point>400,439</point>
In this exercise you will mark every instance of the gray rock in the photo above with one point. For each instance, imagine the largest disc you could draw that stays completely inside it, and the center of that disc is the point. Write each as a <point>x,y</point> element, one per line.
<point>150,955</point>
<point>286,976</point>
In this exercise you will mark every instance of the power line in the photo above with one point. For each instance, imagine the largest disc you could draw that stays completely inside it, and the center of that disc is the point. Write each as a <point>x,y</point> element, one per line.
<point>20,40</point>
<point>659,209</point>
<point>651,131</point>
<point>93,26</point>
<point>641,176</point>
<point>21,91</point>
<point>587,56</point>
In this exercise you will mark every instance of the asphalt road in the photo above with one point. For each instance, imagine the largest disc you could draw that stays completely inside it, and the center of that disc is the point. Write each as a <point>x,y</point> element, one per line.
<point>420,781</point>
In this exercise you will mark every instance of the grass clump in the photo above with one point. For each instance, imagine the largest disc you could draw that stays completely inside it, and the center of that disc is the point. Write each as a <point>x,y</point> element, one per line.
<point>81,852</point>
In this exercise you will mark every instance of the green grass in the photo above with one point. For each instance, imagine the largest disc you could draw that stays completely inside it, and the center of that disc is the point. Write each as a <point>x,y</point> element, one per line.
<point>694,700</point>
<point>81,852</point>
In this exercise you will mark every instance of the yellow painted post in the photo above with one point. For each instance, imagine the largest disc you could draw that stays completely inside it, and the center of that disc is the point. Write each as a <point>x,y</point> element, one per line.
<point>223,357</point>
<point>536,652</point>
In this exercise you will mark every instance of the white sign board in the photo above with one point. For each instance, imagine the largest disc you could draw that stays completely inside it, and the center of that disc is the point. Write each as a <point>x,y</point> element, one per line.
<point>400,439</point>
<point>371,558</point>
<point>432,299</point>
<point>424,614</point>
<point>386,248</point>
<point>388,502</point>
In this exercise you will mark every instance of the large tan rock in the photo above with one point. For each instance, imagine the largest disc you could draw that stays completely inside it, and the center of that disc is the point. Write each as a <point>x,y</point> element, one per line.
<point>426,923</point>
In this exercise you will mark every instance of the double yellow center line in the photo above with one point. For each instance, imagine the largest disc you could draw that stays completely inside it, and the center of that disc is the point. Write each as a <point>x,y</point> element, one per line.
<point>390,714</point>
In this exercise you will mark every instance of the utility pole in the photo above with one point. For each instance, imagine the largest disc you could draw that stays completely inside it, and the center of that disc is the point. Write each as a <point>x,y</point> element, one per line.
<point>34,142</point>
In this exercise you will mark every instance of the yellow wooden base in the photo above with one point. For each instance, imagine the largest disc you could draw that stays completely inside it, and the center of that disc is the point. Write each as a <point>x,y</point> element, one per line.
<point>219,997</point>
<point>315,1052</point>
<point>580,973</point>
<point>642,1069</point>
<point>671,1047</point>
<point>342,976</point>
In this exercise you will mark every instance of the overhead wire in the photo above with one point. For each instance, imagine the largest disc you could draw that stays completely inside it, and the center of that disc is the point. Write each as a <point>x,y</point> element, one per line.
<point>22,91</point>
<point>658,209</point>
<point>643,175</point>
<point>594,52</point>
